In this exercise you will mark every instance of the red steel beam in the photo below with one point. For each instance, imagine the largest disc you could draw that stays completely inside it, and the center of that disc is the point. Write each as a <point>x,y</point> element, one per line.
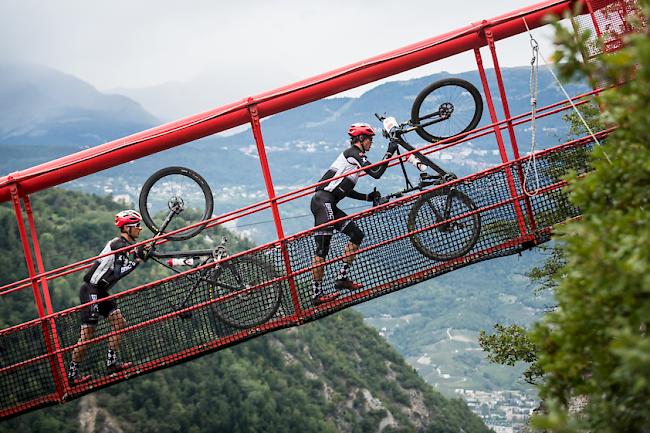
<point>15,196</point>
<point>578,141</point>
<point>321,86</point>
<point>58,378</point>
<point>270,190</point>
<point>497,133</point>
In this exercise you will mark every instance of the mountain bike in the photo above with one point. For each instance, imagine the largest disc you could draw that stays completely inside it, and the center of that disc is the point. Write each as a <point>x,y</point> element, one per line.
<point>243,289</point>
<point>444,222</point>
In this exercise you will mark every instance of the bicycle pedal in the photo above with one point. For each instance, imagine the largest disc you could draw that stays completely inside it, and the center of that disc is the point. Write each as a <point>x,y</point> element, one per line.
<point>426,177</point>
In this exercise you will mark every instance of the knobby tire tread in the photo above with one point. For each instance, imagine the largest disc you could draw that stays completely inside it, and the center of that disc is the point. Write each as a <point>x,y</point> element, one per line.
<point>425,250</point>
<point>274,289</point>
<point>420,98</point>
<point>191,174</point>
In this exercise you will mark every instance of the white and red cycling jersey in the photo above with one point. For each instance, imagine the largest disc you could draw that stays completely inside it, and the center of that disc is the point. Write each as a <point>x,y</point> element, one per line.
<point>349,160</point>
<point>105,272</point>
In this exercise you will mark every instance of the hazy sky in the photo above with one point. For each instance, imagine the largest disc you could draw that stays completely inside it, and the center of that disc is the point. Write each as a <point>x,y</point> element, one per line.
<point>139,43</point>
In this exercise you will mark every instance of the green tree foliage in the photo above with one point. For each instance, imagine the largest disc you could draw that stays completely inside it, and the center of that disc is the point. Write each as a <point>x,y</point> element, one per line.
<point>545,275</point>
<point>512,344</point>
<point>596,345</point>
<point>509,345</point>
<point>70,226</point>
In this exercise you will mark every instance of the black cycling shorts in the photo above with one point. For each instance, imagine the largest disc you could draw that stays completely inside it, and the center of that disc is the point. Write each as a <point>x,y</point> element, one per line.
<point>90,315</point>
<point>323,206</point>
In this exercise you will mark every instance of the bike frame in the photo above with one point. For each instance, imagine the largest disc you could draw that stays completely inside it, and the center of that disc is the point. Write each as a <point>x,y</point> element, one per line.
<point>208,254</point>
<point>443,115</point>
<point>444,176</point>
<point>175,210</point>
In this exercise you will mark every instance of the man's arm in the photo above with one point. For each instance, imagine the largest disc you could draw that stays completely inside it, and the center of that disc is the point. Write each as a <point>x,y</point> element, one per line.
<point>378,171</point>
<point>123,266</point>
<point>357,195</point>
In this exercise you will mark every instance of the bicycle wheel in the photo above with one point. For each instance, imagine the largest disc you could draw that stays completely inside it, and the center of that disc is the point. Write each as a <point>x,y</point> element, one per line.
<point>447,241</point>
<point>454,105</point>
<point>176,187</point>
<point>251,307</point>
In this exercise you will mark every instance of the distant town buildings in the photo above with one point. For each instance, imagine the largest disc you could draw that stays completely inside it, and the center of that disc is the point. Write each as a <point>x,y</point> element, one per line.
<point>502,411</point>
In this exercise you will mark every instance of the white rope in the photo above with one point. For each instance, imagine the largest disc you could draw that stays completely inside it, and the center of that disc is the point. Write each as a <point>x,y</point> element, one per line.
<point>534,90</point>
<point>584,122</point>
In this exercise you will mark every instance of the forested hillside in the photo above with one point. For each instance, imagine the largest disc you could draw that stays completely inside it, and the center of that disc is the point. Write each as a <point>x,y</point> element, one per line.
<point>333,375</point>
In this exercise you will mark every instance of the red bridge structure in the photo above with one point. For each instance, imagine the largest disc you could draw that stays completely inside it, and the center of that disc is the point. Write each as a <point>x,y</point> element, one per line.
<point>34,355</point>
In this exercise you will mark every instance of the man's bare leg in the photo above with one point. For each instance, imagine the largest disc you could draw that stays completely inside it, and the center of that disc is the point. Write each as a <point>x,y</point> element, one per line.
<point>78,354</point>
<point>318,269</point>
<point>342,281</point>
<point>117,323</point>
<point>79,351</point>
<point>351,249</point>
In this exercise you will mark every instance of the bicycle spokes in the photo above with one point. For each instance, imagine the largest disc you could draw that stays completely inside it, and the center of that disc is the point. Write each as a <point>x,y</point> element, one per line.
<point>186,197</point>
<point>444,112</point>
<point>446,108</point>
<point>444,223</point>
<point>245,293</point>
<point>176,204</point>
<point>433,203</point>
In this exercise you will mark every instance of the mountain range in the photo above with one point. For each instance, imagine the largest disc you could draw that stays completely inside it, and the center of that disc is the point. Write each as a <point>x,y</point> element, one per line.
<point>42,106</point>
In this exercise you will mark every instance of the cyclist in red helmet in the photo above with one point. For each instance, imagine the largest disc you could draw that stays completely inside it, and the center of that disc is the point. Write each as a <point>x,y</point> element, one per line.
<point>324,207</point>
<point>104,274</point>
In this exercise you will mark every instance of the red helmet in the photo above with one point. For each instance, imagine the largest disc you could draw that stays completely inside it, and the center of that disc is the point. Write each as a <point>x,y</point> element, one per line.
<point>357,129</point>
<point>126,217</point>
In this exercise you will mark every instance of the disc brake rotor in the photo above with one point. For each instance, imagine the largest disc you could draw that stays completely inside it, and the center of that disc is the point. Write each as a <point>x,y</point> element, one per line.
<point>176,204</point>
<point>446,109</point>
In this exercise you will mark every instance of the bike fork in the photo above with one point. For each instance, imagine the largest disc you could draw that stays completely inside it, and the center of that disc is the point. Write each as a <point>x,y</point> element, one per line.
<point>446,214</point>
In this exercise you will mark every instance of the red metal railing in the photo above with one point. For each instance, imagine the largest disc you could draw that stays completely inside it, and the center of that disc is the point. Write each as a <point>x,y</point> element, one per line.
<point>510,206</point>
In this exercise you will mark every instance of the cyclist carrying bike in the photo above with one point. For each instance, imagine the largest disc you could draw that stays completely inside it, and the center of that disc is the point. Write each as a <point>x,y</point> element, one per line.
<point>324,207</point>
<point>100,278</point>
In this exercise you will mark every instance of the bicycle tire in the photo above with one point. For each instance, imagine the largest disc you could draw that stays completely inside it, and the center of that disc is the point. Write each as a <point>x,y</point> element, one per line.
<point>463,118</point>
<point>153,195</point>
<point>253,308</point>
<point>444,242</point>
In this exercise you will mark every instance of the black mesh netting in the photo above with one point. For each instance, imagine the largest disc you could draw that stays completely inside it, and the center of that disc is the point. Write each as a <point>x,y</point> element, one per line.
<point>207,309</point>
